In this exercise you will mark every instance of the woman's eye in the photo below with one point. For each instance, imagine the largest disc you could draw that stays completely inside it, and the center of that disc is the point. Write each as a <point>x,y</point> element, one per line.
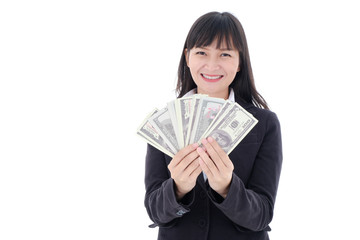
<point>225,55</point>
<point>200,53</point>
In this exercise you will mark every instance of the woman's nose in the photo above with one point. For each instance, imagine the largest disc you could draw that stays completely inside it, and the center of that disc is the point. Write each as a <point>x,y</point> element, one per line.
<point>212,64</point>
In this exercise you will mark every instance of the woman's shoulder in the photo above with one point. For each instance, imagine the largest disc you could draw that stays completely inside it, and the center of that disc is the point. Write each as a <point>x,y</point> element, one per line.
<point>265,114</point>
<point>265,117</point>
<point>254,110</point>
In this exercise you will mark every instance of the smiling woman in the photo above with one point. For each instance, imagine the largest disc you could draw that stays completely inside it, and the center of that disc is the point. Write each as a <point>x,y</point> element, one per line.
<point>235,197</point>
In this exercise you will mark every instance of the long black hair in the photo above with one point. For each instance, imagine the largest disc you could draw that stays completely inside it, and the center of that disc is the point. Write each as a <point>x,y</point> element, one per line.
<point>221,27</point>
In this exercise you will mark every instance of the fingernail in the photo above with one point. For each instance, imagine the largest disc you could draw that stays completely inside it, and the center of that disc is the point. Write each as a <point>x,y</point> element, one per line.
<point>199,150</point>
<point>195,145</point>
<point>204,141</point>
<point>210,139</point>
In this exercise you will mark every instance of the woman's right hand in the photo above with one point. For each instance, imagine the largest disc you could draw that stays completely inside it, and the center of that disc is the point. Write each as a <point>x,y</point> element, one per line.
<point>185,169</point>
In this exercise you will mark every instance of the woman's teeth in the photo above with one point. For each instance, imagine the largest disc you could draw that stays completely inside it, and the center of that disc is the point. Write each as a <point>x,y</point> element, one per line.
<point>213,77</point>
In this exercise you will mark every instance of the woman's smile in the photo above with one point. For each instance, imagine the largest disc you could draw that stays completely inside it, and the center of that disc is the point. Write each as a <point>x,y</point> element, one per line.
<point>211,78</point>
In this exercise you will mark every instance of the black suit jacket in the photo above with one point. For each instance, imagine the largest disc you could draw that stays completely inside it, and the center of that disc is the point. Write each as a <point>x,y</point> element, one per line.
<point>246,211</point>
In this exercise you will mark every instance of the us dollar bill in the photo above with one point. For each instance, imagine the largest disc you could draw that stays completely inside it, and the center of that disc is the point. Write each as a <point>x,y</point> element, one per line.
<point>207,111</point>
<point>196,98</point>
<point>177,130</point>
<point>151,136</point>
<point>161,121</point>
<point>225,107</point>
<point>234,125</point>
<point>183,108</point>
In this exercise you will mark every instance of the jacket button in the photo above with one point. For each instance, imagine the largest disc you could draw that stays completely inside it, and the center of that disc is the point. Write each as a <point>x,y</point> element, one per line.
<point>180,212</point>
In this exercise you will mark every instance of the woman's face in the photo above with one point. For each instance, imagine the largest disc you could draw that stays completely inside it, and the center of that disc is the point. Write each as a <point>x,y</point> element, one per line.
<point>212,69</point>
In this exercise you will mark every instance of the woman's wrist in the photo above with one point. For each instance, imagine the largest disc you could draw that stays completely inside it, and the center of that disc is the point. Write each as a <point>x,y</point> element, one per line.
<point>224,193</point>
<point>179,195</point>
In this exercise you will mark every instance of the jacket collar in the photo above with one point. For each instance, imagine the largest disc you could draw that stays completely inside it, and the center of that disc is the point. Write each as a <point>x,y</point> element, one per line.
<point>244,104</point>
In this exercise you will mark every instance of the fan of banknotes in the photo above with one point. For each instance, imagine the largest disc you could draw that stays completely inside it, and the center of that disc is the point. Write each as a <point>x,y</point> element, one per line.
<point>188,120</point>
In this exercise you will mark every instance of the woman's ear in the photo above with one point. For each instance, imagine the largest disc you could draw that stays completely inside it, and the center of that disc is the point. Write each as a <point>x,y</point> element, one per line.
<point>186,56</point>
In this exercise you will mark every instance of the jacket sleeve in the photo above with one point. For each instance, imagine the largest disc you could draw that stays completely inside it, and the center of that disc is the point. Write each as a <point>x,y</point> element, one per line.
<point>251,207</point>
<point>160,200</point>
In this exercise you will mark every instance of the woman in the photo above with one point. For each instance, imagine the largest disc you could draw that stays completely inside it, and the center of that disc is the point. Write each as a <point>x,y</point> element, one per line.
<point>236,198</point>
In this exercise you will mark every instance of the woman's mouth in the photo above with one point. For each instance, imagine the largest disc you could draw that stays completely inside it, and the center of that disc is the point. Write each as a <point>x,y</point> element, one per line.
<point>211,78</point>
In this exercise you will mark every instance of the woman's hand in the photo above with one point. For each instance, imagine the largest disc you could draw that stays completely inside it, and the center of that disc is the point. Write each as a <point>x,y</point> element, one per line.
<point>217,166</point>
<point>185,169</point>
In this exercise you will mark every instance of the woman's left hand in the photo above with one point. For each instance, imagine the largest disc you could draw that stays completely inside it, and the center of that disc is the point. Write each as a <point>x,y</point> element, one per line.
<point>217,166</point>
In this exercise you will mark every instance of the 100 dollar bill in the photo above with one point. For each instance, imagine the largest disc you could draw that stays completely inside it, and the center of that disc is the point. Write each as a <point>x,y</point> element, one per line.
<point>208,109</point>
<point>149,133</point>
<point>161,121</point>
<point>230,128</point>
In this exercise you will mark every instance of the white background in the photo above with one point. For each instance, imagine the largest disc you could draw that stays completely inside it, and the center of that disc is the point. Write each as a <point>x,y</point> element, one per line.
<point>78,77</point>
